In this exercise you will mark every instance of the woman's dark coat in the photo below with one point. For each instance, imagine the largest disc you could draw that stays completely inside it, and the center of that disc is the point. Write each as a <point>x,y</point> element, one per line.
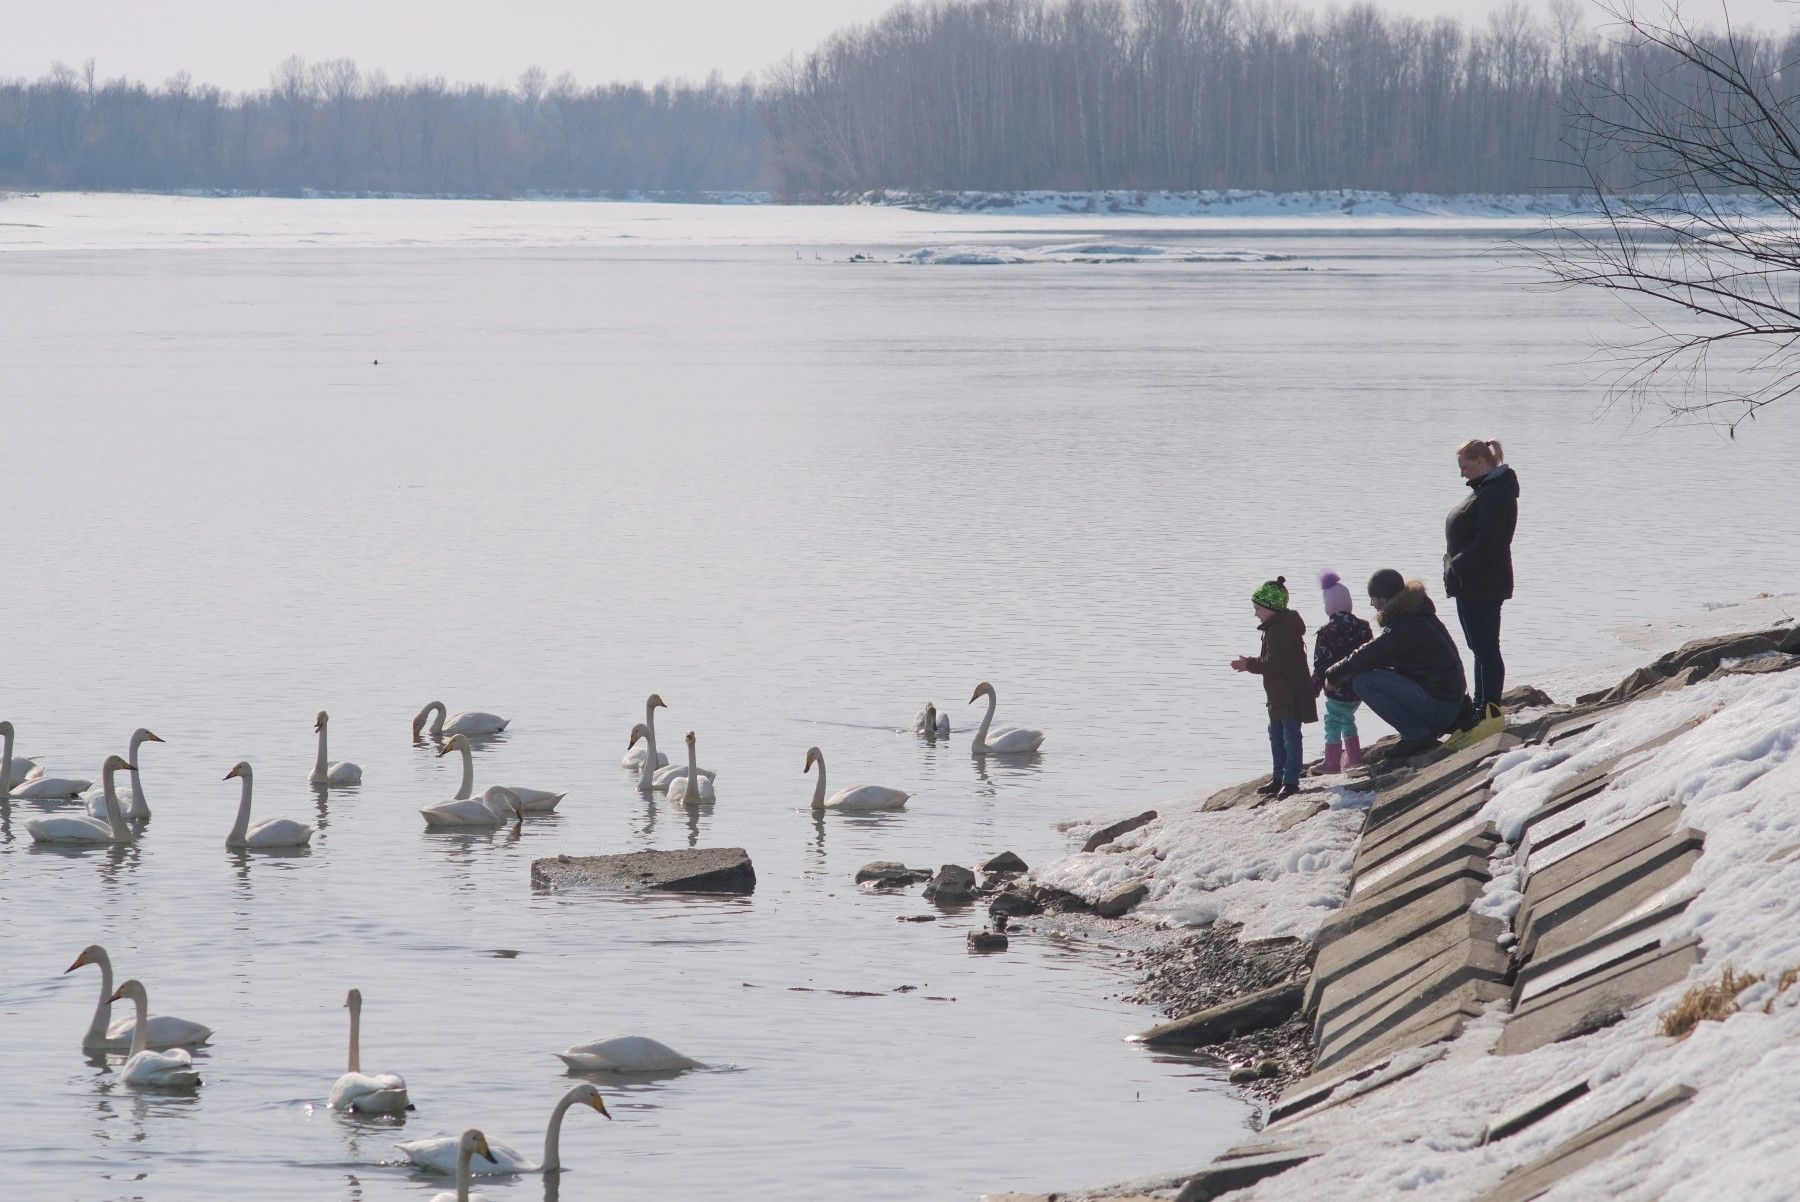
<point>1478,539</point>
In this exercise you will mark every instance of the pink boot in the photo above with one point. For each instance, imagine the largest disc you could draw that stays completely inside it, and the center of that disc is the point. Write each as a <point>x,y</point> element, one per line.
<point>1352,753</point>
<point>1333,763</point>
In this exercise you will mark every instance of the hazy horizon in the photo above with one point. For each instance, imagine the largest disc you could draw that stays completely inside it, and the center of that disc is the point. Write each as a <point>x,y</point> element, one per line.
<point>236,48</point>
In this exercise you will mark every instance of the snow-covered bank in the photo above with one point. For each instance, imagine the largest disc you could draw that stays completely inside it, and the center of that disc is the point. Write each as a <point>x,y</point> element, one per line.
<point>1083,252</point>
<point>1334,202</point>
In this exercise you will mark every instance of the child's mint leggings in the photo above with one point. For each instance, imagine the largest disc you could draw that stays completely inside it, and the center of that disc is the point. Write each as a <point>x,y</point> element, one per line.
<point>1340,720</point>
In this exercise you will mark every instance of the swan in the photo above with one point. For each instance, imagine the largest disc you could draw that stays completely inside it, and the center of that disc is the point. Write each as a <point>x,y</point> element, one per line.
<point>80,828</point>
<point>492,808</point>
<point>531,801</point>
<point>384,1093</point>
<point>925,721</point>
<point>270,832</point>
<point>163,1031</point>
<point>626,1054</point>
<point>43,787</point>
<point>657,780</point>
<point>1008,740</point>
<point>943,725</point>
<point>131,797</point>
<point>471,1144</point>
<point>856,800</point>
<point>466,723</point>
<point>690,785</point>
<point>634,758</point>
<point>343,772</point>
<point>25,765</point>
<point>440,1155</point>
<point>171,1069</point>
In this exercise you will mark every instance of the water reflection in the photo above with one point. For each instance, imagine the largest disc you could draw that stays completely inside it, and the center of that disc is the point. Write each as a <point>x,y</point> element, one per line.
<point>321,806</point>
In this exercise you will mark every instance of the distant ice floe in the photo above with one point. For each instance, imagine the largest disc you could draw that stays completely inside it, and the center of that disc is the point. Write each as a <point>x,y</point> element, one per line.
<point>1084,252</point>
<point>1238,202</point>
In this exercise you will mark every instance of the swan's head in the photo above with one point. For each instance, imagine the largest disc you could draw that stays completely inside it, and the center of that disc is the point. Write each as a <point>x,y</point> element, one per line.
<point>688,738</point>
<point>984,689</point>
<point>6,728</point>
<point>239,771</point>
<point>474,1143</point>
<point>144,735</point>
<point>640,731</point>
<point>655,702</point>
<point>321,720</point>
<point>132,990</point>
<point>587,1095</point>
<point>93,953</point>
<point>423,715</point>
<point>118,763</point>
<point>455,743</point>
<point>500,795</point>
<point>353,999</point>
<point>813,756</point>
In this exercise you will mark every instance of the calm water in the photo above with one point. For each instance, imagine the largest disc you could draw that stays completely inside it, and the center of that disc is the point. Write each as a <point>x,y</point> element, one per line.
<point>615,449</point>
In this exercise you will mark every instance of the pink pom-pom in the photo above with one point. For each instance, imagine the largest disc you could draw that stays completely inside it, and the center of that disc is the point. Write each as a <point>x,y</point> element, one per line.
<point>1329,579</point>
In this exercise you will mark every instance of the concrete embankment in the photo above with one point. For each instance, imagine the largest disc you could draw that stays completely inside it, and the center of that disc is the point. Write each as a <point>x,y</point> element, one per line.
<point>1557,963</point>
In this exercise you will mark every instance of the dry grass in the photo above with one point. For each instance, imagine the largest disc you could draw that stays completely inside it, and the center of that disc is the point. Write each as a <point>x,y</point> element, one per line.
<point>1712,1002</point>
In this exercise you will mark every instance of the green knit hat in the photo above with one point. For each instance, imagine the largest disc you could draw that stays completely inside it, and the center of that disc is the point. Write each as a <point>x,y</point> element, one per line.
<point>1273,594</point>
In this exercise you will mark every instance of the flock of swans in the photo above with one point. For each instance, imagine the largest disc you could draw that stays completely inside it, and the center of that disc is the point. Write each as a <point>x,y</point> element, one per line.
<point>156,1048</point>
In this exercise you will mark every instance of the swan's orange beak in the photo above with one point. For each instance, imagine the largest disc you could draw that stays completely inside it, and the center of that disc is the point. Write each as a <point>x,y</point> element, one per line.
<point>151,736</point>
<point>117,994</point>
<point>599,1104</point>
<point>80,961</point>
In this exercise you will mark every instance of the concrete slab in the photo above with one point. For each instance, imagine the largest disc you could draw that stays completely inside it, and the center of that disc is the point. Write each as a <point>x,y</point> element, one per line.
<point>1537,1177</point>
<point>1358,912</point>
<point>1224,1177</point>
<point>1443,1020</point>
<point>1373,973</point>
<point>1345,951</point>
<point>1252,1012</point>
<point>1532,1111</point>
<point>1578,723</point>
<point>1439,776</point>
<point>1599,1000</point>
<point>1587,906</point>
<point>1642,930</point>
<point>1592,781</point>
<point>1471,974</point>
<point>694,870</point>
<point>1424,822</point>
<point>1556,869</point>
<point>1467,839</point>
<point>1325,1091</point>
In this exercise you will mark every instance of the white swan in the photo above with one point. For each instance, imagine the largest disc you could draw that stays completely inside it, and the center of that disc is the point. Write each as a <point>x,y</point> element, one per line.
<point>635,757</point>
<point>131,797</point>
<point>162,1031</point>
<point>343,772</point>
<point>925,721</point>
<point>471,1144</point>
<point>80,828</point>
<point>26,766</point>
<point>943,725</point>
<point>626,1054</point>
<point>1008,740</point>
<point>532,801</point>
<point>171,1069</point>
<point>470,722</point>
<point>44,787</point>
<point>656,780</point>
<point>440,1155</point>
<point>856,800</point>
<point>383,1093</point>
<point>493,808</point>
<point>691,785</point>
<point>268,834</point>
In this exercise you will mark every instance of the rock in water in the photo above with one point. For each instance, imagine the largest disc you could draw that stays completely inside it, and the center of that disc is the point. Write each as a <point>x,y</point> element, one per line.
<point>696,870</point>
<point>890,874</point>
<point>1120,899</point>
<point>953,885</point>
<point>1014,901</point>
<point>1005,862</point>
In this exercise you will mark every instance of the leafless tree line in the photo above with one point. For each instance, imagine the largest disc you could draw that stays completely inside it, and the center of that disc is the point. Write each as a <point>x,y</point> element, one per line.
<point>331,127</point>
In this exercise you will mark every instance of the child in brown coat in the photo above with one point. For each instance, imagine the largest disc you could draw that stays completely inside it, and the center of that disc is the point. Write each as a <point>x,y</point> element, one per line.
<point>1287,682</point>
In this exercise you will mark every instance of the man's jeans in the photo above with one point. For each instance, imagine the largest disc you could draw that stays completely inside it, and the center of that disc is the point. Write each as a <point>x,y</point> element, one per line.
<point>1404,704</point>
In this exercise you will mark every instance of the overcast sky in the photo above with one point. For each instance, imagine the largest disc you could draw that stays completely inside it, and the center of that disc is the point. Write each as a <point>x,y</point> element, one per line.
<point>235,43</point>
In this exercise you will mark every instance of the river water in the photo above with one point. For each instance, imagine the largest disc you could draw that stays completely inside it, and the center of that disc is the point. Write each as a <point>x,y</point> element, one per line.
<point>266,457</point>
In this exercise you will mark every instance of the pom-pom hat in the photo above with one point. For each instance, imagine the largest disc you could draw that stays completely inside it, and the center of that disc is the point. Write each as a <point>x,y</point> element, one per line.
<point>1337,594</point>
<point>1272,595</point>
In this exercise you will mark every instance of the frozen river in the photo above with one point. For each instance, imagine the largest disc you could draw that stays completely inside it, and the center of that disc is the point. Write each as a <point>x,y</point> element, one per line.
<point>611,449</point>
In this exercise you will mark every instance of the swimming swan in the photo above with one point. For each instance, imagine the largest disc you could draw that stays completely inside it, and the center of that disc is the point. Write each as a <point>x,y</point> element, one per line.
<point>268,834</point>
<point>26,766</point>
<point>532,801</point>
<point>467,723</point>
<point>473,1143</point>
<point>163,1031</point>
<point>657,780</point>
<point>131,797</point>
<point>495,807</point>
<point>39,786</point>
<point>857,800</point>
<point>172,1069</point>
<point>635,757</point>
<point>626,1054</point>
<point>341,773</point>
<point>80,828</point>
<point>691,785</point>
<point>1008,740</point>
<point>384,1093</point>
<point>440,1155</point>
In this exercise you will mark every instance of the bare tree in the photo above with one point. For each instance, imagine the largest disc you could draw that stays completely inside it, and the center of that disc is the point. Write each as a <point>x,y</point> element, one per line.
<point>1689,153</point>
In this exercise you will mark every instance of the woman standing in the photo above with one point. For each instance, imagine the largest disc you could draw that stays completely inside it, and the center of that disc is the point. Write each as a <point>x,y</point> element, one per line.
<point>1478,568</point>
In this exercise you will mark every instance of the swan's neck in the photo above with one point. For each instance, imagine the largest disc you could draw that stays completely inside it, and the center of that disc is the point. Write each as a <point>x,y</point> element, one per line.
<point>356,1048</point>
<point>137,785</point>
<point>986,719</point>
<point>693,775</point>
<point>553,1136</point>
<point>103,1010</point>
<point>115,817</point>
<point>463,1156</point>
<point>6,764</point>
<point>466,790</point>
<point>819,789</point>
<point>646,775</point>
<point>319,765</point>
<point>140,1033</point>
<point>242,824</point>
